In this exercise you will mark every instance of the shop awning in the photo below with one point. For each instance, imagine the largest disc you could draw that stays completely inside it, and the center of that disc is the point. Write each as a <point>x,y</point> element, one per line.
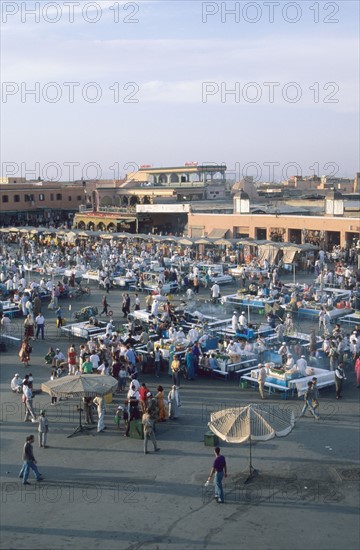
<point>268,252</point>
<point>289,254</point>
<point>217,233</point>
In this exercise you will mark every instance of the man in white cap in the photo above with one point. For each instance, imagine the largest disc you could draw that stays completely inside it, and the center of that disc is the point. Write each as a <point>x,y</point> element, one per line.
<point>283,351</point>
<point>155,308</point>
<point>242,321</point>
<point>215,293</point>
<point>16,384</point>
<point>234,322</point>
<point>59,358</point>
<point>234,351</point>
<point>261,379</point>
<point>301,365</point>
<point>193,334</point>
<point>289,362</point>
<point>110,327</point>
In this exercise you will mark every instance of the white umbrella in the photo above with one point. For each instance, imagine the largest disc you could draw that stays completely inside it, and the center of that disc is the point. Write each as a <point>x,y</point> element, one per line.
<point>185,241</point>
<point>83,385</point>
<point>252,422</point>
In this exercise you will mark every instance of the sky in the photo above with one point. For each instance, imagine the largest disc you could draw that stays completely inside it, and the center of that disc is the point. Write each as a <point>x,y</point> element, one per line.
<point>96,89</point>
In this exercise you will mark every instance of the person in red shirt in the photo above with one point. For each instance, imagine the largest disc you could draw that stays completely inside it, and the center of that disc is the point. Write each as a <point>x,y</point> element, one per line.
<point>357,371</point>
<point>143,393</point>
<point>72,359</point>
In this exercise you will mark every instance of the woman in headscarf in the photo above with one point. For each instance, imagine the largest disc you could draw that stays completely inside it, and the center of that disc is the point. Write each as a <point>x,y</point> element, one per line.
<point>29,325</point>
<point>24,353</point>
<point>174,403</point>
<point>161,404</point>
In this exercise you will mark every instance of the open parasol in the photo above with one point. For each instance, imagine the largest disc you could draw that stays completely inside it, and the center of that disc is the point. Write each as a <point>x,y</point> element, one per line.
<point>83,385</point>
<point>252,422</point>
<point>185,241</point>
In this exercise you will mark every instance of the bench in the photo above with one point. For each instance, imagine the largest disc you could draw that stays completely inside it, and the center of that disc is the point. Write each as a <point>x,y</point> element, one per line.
<point>219,372</point>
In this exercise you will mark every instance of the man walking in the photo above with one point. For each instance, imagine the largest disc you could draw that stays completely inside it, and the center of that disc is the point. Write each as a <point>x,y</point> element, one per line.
<point>309,399</point>
<point>43,429</point>
<point>315,401</point>
<point>339,380</point>
<point>148,424</point>
<point>218,471</point>
<point>105,306</point>
<point>40,323</point>
<point>29,462</point>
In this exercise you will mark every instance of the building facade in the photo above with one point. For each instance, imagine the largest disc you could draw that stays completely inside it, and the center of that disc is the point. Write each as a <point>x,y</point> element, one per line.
<point>34,203</point>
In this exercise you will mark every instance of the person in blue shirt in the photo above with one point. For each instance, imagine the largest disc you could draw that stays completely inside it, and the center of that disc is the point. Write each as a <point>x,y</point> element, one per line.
<point>190,361</point>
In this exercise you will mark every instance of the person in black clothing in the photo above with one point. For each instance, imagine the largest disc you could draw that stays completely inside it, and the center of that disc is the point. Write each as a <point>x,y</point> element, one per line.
<point>105,306</point>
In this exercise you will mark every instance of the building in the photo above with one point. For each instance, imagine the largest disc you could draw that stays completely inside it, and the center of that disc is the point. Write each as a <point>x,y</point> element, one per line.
<point>39,202</point>
<point>160,191</point>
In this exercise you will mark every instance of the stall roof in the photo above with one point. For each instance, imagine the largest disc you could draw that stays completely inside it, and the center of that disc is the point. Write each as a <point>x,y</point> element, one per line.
<point>217,233</point>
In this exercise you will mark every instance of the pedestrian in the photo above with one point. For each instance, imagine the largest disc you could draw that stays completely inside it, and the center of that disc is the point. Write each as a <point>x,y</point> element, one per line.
<point>43,429</point>
<point>357,371</point>
<point>197,353</point>
<point>29,330</point>
<point>175,370</point>
<point>40,325</point>
<point>53,376</point>
<point>261,379</point>
<point>148,424</point>
<point>99,402</point>
<point>59,318</point>
<point>88,410</point>
<point>218,471</point>
<point>105,306</point>
<point>25,352</point>
<point>28,402</point>
<point>122,377</point>
<point>309,401</point>
<point>118,416</point>
<point>29,462</point>
<point>190,364</point>
<point>315,401</point>
<point>6,324</point>
<point>107,284</point>
<point>174,402</point>
<point>196,284</point>
<point>72,359</point>
<point>157,359</point>
<point>137,302</point>
<point>339,380</point>
<point>126,302</point>
<point>161,404</point>
<point>215,293</point>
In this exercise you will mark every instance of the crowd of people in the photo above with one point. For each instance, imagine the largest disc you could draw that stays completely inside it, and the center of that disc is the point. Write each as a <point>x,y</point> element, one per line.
<point>126,355</point>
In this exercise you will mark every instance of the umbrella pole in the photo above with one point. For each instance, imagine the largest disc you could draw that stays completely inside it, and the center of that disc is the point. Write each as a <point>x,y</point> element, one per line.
<point>80,428</point>
<point>252,471</point>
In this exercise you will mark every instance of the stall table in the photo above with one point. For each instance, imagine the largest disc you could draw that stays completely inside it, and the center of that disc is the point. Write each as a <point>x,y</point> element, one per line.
<point>11,309</point>
<point>84,330</point>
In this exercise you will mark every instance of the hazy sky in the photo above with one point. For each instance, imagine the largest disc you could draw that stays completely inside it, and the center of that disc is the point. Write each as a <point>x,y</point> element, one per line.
<point>119,84</point>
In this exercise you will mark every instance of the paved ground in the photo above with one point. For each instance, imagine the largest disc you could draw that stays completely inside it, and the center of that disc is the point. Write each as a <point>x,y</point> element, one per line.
<point>100,489</point>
